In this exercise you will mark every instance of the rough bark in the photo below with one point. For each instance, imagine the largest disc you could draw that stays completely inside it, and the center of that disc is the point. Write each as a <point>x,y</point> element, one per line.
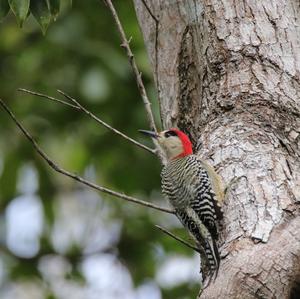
<point>228,74</point>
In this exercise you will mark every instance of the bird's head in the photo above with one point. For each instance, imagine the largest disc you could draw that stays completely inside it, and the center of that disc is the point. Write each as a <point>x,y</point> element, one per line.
<point>174,142</point>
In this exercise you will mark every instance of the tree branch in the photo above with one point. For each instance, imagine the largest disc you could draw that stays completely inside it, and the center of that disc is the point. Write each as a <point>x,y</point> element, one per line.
<point>156,20</point>
<point>90,114</point>
<point>79,107</point>
<point>150,11</point>
<point>57,168</point>
<point>138,77</point>
<point>48,97</point>
<point>178,238</point>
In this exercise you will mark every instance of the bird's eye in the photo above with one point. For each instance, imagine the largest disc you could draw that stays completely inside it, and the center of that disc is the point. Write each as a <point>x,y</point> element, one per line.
<point>170,133</point>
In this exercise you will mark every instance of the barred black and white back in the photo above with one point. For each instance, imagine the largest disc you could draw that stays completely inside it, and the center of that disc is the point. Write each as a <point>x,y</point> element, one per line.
<point>186,183</point>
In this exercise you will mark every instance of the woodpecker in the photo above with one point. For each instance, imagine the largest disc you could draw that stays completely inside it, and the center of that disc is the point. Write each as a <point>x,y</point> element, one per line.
<point>194,190</point>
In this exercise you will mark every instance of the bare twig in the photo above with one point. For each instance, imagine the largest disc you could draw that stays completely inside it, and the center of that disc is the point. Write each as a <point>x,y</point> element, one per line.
<point>138,77</point>
<point>48,97</point>
<point>150,11</point>
<point>156,20</point>
<point>156,66</point>
<point>178,238</point>
<point>105,124</point>
<point>79,107</point>
<point>54,166</point>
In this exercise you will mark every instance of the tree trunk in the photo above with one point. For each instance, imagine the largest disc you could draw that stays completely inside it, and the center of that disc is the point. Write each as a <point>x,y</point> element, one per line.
<point>228,74</point>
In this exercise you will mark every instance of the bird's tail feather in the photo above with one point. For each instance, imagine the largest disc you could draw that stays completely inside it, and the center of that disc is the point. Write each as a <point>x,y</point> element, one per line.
<point>203,237</point>
<point>213,260</point>
<point>212,254</point>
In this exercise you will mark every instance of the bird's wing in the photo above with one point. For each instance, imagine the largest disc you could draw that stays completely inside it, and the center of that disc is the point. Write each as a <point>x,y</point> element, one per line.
<point>204,200</point>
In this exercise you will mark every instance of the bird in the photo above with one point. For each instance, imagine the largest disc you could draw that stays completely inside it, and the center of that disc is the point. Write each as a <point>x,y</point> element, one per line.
<point>194,190</point>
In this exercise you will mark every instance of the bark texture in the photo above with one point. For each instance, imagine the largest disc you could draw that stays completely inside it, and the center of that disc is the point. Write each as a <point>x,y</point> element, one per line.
<point>228,74</point>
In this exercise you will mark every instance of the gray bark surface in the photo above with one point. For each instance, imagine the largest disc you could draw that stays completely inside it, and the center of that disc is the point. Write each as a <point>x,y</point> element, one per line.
<point>228,74</point>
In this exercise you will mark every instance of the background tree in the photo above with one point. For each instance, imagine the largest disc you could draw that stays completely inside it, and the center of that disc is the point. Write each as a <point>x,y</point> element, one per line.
<point>228,73</point>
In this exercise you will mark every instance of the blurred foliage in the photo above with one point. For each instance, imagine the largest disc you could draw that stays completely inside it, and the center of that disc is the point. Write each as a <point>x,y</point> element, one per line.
<point>80,55</point>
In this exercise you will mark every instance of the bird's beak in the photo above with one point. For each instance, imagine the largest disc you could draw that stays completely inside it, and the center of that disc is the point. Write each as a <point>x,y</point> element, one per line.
<point>149,133</point>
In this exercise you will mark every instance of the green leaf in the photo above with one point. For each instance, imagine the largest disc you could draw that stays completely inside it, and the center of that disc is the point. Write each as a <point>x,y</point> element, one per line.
<point>41,12</point>
<point>20,9</point>
<point>54,7</point>
<point>4,8</point>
